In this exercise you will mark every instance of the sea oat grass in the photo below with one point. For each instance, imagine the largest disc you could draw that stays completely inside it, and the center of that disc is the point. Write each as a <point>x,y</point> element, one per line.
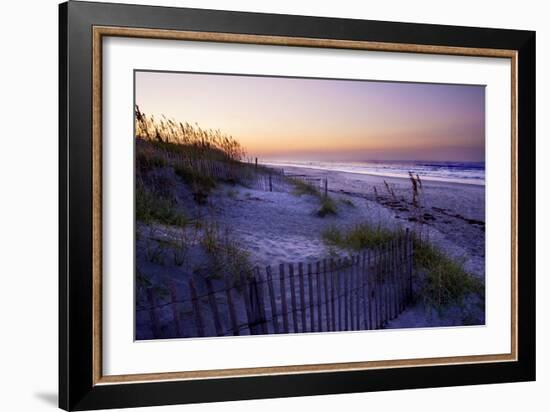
<point>446,280</point>
<point>359,237</point>
<point>150,207</point>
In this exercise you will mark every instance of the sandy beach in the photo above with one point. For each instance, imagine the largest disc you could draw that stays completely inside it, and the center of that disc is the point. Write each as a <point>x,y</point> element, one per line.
<point>279,227</point>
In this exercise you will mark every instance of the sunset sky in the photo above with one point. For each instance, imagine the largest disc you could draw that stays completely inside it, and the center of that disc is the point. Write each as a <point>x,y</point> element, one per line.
<point>311,119</point>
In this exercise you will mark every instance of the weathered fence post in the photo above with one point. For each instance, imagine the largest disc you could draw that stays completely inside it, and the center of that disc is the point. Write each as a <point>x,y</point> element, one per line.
<point>346,270</point>
<point>255,320</point>
<point>378,287</point>
<point>196,308</point>
<point>271,184</point>
<point>333,294</point>
<point>386,287</point>
<point>256,163</point>
<point>284,308</point>
<point>272,299</point>
<point>397,244</point>
<point>153,316</point>
<point>247,304</point>
<point>293,297</point>
<point>259,304</point>
<point>352,297</point>
<point>369,288</point>
<point>339,288</point>
<point>232,313</point>
<point>302,296</point>
<point>358,283</point>
<point>319,299</point>
<point>364,292</point>
<point>409,262</point>
<point>399,273</point>
<point>326,187</point>
<point>390,280</point>
<point>311,299</point>
<point>394,279</point>
<point>213,306</point>
<point>406,264</point>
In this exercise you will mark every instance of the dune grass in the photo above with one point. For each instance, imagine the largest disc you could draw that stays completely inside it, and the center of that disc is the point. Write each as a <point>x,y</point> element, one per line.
<point>152,207</point>
<point>359,237</point>
<point>446,282</point>
<point>327,207</point>
<point>175,136</point>
<point>227,256</point>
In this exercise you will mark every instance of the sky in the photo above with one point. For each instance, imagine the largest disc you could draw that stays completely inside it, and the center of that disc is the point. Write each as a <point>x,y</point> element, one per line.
<point>281,118</point>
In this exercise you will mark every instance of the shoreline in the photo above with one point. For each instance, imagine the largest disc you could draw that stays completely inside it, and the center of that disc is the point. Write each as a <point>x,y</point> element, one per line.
<point>467,182</point>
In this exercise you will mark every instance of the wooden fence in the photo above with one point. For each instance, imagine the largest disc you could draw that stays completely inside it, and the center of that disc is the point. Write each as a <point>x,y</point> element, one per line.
<point>360,292</point>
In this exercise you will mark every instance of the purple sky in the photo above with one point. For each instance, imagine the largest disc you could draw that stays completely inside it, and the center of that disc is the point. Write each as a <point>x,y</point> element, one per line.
<point>311,119</point>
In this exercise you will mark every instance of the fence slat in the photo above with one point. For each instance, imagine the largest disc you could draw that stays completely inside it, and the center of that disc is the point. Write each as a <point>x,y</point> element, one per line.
<point>352,296</point>
<point>247,304</point>
<point>394,279</point>
<point>390,281</point>
<point>260,302</point>
<point>346,273</point>
<point>357,315</point>
<point>358,283</point>
<point>403,272</point>
<point>329,304</point>
<point>319,299</point>
<point>196,308</point>
<point>410,258</point>
<point>378,288</point>
<point>386,288</point>
<point>274,319</point>
<point>368,275</point>
<point>302,297</point>
<point>333,293</point>
<point>231,306</point>
<point>294,309</point>
<point>284,308</point>
<point>311,300</point>
<point>339,288</point>
<point>405,269</point>
<point>213,306</point>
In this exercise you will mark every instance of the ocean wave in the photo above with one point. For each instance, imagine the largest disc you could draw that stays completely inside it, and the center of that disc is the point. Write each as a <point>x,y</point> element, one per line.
<point>461,172</point>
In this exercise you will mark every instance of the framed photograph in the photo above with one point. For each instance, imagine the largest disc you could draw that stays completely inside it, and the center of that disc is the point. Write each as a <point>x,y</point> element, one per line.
<point>257,205</point>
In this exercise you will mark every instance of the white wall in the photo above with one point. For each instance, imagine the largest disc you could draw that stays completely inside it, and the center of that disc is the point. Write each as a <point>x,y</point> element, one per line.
<point>28,202</point>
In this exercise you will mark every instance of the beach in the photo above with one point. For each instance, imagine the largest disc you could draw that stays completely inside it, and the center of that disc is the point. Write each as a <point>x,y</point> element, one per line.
<point>280,227</point>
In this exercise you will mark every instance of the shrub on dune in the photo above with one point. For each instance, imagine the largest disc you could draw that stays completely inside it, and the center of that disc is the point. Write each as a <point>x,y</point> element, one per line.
<point>328,207</point>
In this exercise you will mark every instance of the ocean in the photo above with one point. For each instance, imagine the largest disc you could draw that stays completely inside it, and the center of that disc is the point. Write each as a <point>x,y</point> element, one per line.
<point>459,172</point>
